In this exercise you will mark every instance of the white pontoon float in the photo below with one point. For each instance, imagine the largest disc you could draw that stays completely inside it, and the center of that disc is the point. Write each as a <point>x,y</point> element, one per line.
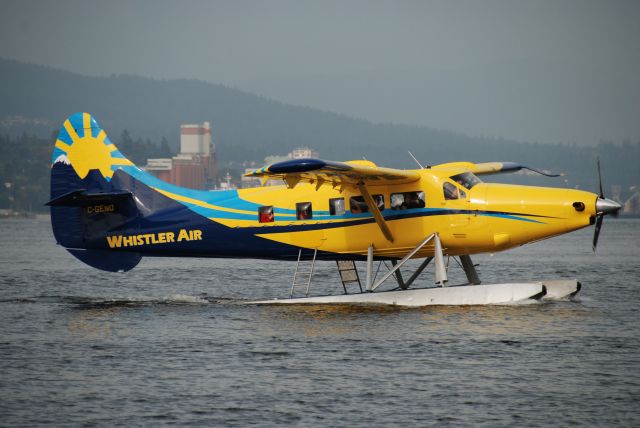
<point>473,293</point>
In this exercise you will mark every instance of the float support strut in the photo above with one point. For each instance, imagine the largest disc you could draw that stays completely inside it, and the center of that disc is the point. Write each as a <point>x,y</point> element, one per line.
<point>441,271</point>
<point>398,275</point>
<point>403,261</point>
<point>369,278</point>
<point>470,270</point>
<point>418,271</point>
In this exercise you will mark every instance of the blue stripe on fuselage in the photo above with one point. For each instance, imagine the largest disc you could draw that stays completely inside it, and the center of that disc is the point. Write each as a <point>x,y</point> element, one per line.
<point>230,199</point>
<point>222,198</point>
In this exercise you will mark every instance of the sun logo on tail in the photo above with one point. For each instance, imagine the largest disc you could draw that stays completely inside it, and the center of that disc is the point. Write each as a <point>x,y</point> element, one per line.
<point>86,146</point>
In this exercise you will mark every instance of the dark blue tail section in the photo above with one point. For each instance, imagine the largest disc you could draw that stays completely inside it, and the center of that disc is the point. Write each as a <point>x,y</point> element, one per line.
<point>109,214</point>
<point>85,203</point>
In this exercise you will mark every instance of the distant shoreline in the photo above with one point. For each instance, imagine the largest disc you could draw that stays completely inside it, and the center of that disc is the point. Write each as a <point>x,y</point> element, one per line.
<point>20,215</point>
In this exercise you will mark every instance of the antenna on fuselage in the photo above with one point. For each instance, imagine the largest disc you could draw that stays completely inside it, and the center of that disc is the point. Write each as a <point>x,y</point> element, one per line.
<point>417,161</point>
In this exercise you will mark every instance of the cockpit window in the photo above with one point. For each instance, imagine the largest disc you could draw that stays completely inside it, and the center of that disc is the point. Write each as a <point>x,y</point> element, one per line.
<point>466,180</point>
<point>452,192</point>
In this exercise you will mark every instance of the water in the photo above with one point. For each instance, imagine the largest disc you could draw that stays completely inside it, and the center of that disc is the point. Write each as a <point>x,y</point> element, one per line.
<point>167,343</point>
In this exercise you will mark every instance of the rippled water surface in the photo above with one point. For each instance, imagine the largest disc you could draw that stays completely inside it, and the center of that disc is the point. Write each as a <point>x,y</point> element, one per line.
<point>168,343</point>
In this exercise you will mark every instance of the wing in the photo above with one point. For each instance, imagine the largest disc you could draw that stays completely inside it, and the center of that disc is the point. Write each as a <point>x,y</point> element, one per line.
<point>486,168</point>
<point>359,174</point>
<point>336,173</point>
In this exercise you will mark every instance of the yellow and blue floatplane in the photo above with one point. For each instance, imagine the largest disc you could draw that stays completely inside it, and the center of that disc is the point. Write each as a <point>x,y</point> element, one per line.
<point>109,213</point>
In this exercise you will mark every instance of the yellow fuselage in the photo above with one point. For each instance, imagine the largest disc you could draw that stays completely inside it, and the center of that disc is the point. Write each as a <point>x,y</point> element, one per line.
<point>490,217</point>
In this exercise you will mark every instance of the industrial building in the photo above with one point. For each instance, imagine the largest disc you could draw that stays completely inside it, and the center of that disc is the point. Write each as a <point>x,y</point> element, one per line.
<point>195,166</point>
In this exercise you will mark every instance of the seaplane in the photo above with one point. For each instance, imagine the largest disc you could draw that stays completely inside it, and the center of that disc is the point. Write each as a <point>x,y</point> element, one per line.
<point>110,214</point>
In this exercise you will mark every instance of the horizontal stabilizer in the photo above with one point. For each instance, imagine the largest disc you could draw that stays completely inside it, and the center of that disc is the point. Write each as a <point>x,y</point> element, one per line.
<point>81,198</point>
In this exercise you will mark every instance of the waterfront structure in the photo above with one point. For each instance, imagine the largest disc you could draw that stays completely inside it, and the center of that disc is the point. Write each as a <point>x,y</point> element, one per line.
<point>302,153</point>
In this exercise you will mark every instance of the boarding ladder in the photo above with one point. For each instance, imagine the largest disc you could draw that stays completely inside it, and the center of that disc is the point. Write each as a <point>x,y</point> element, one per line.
<point>348,273</point>
<point>299,277</point>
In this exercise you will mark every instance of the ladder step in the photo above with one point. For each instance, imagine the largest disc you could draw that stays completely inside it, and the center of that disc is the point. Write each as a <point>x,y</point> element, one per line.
<point>349,277</point>
<point>348,273</point>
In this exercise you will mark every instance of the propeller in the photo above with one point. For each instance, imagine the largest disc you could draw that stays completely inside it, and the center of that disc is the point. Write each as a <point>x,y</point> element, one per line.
<point>604,206</point>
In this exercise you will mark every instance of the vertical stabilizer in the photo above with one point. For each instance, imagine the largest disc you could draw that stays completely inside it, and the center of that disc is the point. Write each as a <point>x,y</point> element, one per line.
<point>85,201</point>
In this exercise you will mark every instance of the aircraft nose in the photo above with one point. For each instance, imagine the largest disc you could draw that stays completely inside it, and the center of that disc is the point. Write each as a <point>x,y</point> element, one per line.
<point>607,206</point>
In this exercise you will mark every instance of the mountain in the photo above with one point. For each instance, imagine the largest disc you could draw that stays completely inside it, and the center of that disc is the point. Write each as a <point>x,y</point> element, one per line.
<point>525,99</point>
<point>37,99</point>
<point>245,126</point>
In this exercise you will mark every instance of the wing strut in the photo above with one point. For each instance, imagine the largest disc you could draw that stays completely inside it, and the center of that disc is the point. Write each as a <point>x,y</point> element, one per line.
<point>373,207</point>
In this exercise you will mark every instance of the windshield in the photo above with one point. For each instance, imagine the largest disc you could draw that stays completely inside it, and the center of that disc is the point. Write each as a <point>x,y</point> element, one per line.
<point>466,179</point>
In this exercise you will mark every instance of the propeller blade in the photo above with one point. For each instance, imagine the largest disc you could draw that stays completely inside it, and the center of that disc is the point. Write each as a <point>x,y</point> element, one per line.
<point>596,234</point>
<point>600,178</point>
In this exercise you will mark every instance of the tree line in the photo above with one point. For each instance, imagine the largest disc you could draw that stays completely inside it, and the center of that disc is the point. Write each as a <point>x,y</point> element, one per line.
<point>25,162</point>
<point>25,166</point>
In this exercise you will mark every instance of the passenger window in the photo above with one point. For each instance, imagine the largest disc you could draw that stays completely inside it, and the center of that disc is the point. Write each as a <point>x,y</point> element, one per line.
<point>407,200</point>
<point>336,206</point>
<point>358,204</point>
<point>397,200</point>
<point>265,214</point>
<point>303,211</point>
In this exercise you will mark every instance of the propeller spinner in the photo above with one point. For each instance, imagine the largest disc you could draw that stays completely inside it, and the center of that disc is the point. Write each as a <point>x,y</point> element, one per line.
<point>604,206</point>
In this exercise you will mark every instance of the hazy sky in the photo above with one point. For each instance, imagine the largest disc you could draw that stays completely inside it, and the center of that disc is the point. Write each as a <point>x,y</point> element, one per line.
<point>531,70</point>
